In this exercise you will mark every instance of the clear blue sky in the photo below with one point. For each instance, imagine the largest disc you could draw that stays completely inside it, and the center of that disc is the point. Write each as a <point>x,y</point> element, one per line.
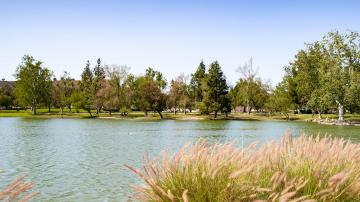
<point>170,36</point>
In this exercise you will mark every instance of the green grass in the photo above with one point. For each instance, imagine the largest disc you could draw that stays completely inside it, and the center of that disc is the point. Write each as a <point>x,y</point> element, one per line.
<point>55,113</point>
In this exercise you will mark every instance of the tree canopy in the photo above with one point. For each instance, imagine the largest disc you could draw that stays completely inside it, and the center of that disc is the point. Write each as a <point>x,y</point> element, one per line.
<point>33,83</point>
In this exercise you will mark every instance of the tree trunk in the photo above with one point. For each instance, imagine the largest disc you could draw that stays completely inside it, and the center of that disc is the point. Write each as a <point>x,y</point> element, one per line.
<point>319,112</point>
<point>33,110</point>
<point>62,110</point>
<point>49,108</point>
<point>89,110</point>
<point>249,110</point>
<point>145,113</point>
<point>215,115</point>
<point>341,112</point>
<point>161,116</point>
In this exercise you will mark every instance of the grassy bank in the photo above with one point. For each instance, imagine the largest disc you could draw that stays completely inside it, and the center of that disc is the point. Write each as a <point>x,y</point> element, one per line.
<point>304,169</point>
<point>55,113</point>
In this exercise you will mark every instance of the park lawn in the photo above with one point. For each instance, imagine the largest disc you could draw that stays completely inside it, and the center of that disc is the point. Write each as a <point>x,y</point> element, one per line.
<point>55,113</point>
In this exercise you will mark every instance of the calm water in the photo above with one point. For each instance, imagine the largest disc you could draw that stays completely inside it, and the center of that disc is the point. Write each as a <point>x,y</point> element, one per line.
<point>82,159</point>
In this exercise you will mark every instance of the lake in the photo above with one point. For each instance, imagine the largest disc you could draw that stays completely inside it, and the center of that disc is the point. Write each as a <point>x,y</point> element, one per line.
<point>82,159</point>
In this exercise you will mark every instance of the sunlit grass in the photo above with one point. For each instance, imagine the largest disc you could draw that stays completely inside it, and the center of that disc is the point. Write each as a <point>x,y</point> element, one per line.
<point>303,169</point>
<point>80,113</point>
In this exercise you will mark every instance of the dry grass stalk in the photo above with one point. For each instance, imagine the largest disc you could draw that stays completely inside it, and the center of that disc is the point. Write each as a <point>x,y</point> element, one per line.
<point>297,170</point>
<point>16,188</point>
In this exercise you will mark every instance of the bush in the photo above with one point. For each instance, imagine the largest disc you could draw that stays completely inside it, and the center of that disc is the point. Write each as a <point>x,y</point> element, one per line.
<point>303,169</point>
<point>124,111</point>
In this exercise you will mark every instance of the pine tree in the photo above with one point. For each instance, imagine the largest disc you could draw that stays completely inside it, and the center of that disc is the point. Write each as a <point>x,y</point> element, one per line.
<point>87,88</point>
<point>196,81</point>
<point>216,98</point>
<point>99,81</point>
<point>99,75</point>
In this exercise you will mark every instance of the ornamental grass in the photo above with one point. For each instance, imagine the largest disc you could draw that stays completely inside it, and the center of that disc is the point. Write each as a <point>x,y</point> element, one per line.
<point>16,191</point>
<point>304,169</point>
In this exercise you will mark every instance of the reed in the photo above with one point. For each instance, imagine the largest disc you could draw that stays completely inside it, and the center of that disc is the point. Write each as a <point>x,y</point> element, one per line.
<point>303,169</point>
<point>16,191</point>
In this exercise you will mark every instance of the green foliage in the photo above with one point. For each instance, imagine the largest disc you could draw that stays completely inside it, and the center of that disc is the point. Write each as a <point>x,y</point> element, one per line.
<point>6,94</point>
<point>62,91</point>
<point>280,99</point>
<point>179,94</point>
<point>80,102</point>
<point>324,75</point>
<point>252,93</point>
<point>33,83</point>
<point>86,90</point>
<point>196,81</point>
<point>86,83</point>
<point>124,111</point>
<point>119,89</point>
<point>147,94</point>
<point>352,93</point>
<point>5,100</point>
<point>215,96</point>
<point>98,83</point>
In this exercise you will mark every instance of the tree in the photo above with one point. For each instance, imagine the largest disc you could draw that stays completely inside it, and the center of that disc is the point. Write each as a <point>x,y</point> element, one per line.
<point>197,79</point>
<point>117,77</point>
<point>62,91</point>
<point>248,74</point>
<point>33,83</point>
<point>69,85</point>
<point>251,94</point>
<point>109,98</point>
<point>216,98</point>
<point>148,92</point>
<point>185,99</point>
<point>323,75</point>
<point>179,95</point>
<point>98,82</point>
<point>343,52</point>
<point>176,90</point>
<point>86,90</point>
<point>352,94</point>
<point>6,94</point>
<point>280,99</point>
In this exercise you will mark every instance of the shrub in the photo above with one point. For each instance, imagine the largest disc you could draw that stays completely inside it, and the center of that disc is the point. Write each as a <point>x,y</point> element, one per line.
<point>304,169</point>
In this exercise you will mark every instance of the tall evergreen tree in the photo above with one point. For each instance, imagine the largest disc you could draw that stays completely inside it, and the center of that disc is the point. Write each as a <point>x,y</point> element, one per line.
<point>216,99</point>
<point>196,82</point>
<point>99,75</point>
<point>87,88</point>
<point>99,82</point>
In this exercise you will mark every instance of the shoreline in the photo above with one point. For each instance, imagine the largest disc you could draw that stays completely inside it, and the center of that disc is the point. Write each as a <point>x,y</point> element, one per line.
<point>352,120</point>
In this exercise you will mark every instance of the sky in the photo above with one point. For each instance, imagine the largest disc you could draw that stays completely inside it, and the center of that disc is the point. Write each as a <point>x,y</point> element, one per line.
<point>169,36</point>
